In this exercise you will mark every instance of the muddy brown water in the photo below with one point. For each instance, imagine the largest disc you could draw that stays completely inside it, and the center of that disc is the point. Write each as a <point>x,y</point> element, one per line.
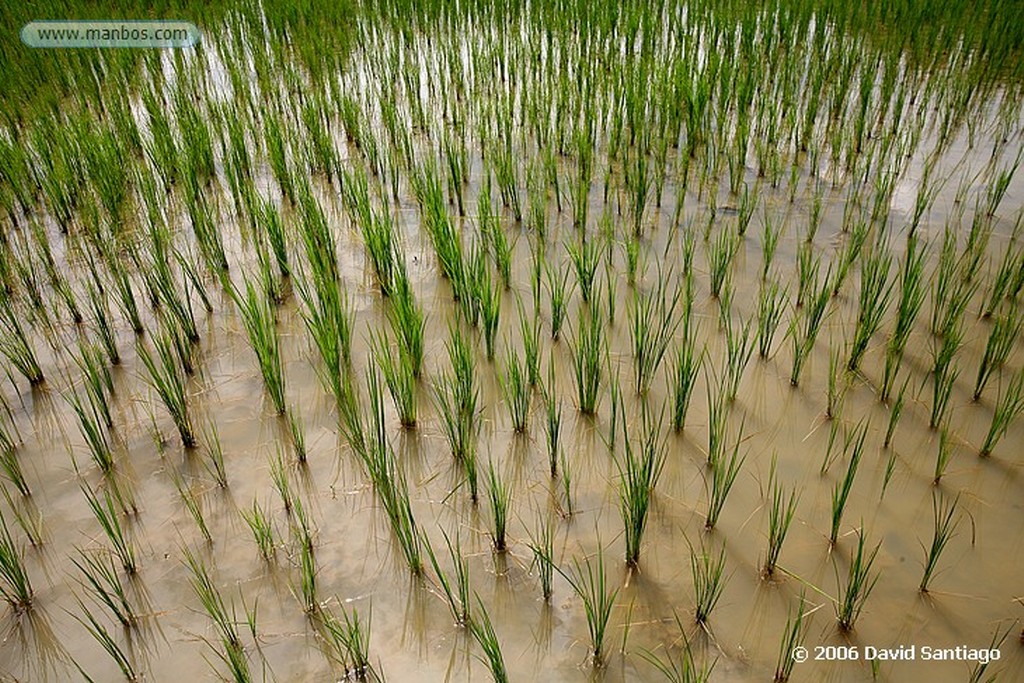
<point>975,594</point>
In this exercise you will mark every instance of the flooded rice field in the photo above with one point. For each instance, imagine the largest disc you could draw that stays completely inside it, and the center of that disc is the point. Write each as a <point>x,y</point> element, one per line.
<point>523,341</point>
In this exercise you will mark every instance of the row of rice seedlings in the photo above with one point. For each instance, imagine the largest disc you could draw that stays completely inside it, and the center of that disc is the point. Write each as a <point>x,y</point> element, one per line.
<point>723,476</point>
<point>652,324</point>
<point>483,632</point>
<point>781,509</point>
<point>102,580</point>
<point>639,470</point>
<point>858,586</point>
<point>166,379</point>
<point>842,488</point>
<point>15,586</point>
<point>515,388</point>
<point>349,638</point>
<point>875,293</point>
<point>399,377</point>
<point>588,350</point>
<point>1000,343</point>
<point>944,516</point>
<point>261,328</point>
<point>107,516</point>
<point>1009,405</point>
<point>455,589</point>
<point>708,572</point>
<point>124,660</point>
<point>911,296</point>
<point>389,480</point>
<point>262,529</point>
<point>589,581</point>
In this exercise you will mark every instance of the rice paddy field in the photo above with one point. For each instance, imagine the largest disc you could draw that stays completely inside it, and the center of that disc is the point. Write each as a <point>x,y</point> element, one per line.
<point>555,341</point>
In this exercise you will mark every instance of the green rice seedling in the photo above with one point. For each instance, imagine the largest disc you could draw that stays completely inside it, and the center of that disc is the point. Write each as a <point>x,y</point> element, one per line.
<point>307,580</point>
<point>165,378</point>
<point>389,481</point>
<point>720,256</point>
<point>943,380</point>
<point>329,319</point>
<point>297,435</point>
<point>110,523</point>
<point>260,326</point>
<point>652,324</point>
<point>14,344</point>
<point>708,571</point>
<point>807,264</point>
<point>89,424</point>
<point>15,586</point>
<point>530,332</point>
<point>895,412</point>
<point>717,415</point>
<point>590,582</point>
<point>456,589</point>
<point>407,319</point>
<point>102,635</point>
<point>792,636</point>
<point>224,619</point>
<point>516,390</point>
<point>842,488</point>
<point>587,351</point>
<point>875,293</point>
<point>1003,283</point>
<point>553,423</point>
<point>771,302</point>
<point>350,639</point>
<point>483,632</point>
<point>262,529</point>
<point>836,393</point>
<point>1009,405</point>
<point>688,362</point>
<point>944,515</point>
<point>585,256</point>
<point>804,336</point>
<point>849,255</point>
<point>723,476</point>
<point>399,377</point>
<point>859,584</point>
<point>490,311</point>
<point>103,582</point>
<point>101,315</point>
<point>631,249</point>
<point>911,296</point>
<point>611,289</point>
<point>639,470</point>
<point>781,509</point>
<point>558,290</point>
<point>769,243</point>
<point>193,505</point>
<point>497,240</point>
<point>683,669</point>
<point>269,218</point>
<point>943,456</point>
<point>10,465</point>
<point>379,235</point>
<point>738,349</point>
<point>215,453</point>
<point>542,546</point>
<point>1000,342</point>
<point>567,488</point>
<point>979,669</point>
<point>499,493</point>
